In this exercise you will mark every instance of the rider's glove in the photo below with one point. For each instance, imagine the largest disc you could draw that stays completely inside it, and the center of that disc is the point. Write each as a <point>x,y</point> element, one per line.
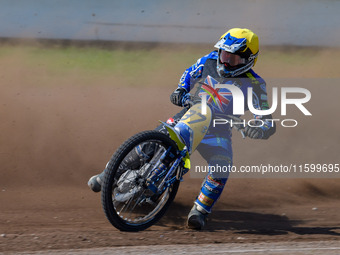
<point>186,100</point>
<point>253,132</point>
<point>177,96</point>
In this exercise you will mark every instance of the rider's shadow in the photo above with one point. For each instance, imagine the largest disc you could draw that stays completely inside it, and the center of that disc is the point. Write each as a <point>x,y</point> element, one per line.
<point>245,223</point>
<point>263,224</point>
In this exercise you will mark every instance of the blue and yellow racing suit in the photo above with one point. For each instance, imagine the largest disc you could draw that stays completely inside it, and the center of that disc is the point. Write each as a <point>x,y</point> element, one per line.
<point>216,147</point>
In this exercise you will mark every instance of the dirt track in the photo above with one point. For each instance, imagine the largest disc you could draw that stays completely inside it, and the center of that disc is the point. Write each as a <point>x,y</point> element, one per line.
<point>271,248</point>
<point>54,138</point>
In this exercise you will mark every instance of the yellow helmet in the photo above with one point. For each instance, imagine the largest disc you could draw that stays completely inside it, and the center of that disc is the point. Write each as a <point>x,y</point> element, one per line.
<point>241,42</point>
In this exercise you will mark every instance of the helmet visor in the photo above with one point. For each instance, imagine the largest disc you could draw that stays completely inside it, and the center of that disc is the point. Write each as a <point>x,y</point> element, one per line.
<point>231,59</point>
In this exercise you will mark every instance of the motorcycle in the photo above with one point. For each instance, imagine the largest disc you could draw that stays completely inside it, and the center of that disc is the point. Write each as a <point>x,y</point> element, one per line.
<point>135,195</point>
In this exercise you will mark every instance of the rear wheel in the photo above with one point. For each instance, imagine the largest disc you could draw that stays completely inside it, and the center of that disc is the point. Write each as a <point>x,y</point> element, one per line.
<point>127,202</point>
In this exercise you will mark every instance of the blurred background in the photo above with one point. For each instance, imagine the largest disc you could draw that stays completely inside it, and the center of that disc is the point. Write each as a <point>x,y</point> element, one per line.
<point>77,78</point>
<point>303,22</point>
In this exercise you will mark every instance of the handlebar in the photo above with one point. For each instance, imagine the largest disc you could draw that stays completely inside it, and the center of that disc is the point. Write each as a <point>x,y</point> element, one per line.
<point>188,104</point>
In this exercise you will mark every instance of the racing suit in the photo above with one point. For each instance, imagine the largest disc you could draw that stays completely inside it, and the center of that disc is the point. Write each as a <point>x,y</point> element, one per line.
<point>216,146</point>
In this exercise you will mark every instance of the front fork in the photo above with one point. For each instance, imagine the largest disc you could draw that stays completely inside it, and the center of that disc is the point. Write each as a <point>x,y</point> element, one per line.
<point>161,170</point>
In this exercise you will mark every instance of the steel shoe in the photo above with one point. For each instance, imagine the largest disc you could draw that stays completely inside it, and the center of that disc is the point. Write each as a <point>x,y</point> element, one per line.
<point>95,182</point>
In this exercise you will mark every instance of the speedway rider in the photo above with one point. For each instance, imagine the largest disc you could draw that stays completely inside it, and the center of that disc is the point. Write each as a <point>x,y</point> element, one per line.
<point>232,62</point>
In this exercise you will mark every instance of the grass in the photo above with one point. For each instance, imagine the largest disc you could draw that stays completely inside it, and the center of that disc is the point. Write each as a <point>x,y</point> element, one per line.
<point>141,65</point>
<point>95,60</point>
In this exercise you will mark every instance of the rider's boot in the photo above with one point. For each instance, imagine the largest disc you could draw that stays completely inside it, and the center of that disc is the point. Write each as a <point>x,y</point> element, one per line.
<point>95,182</point>
<point>210,192</point>
<point>197,217</point>
<point>132,161</point>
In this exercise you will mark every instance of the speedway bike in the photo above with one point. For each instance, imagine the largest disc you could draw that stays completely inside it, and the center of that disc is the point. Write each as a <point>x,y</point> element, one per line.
<point>136,195</point>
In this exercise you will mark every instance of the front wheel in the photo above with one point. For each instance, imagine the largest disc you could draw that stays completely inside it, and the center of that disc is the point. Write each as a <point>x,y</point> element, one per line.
<point>127,201</point>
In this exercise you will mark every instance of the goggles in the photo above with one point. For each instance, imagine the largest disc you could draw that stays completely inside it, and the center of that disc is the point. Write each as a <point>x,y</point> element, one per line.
<point>231,59</point>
